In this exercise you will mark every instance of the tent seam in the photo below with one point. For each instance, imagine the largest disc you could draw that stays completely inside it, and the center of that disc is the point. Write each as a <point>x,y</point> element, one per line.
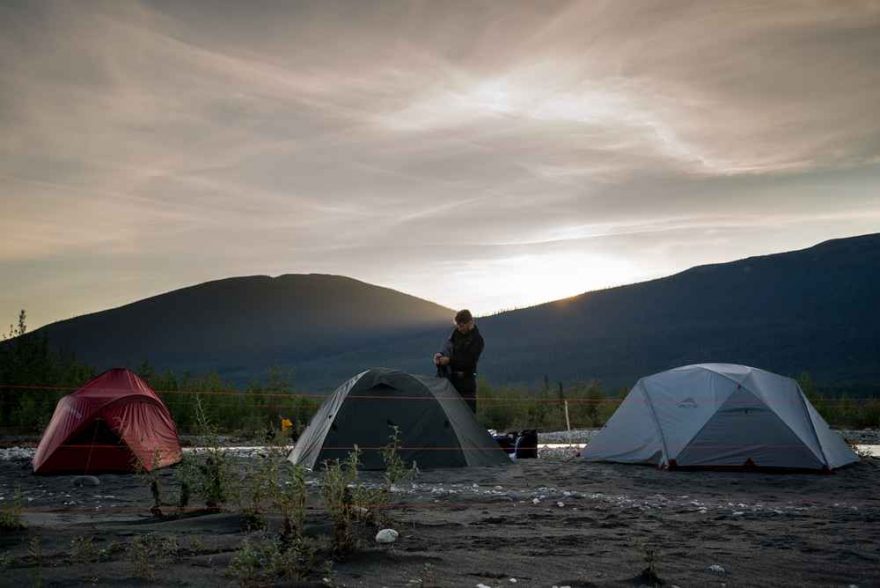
<point>777,415</point>
<point>656,423</point>
<point>104,406</point>
<point>821,455</point>
<point>812,426</point>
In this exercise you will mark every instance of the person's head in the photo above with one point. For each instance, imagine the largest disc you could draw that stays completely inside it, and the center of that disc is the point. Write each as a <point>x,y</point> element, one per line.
<point>464,321</point>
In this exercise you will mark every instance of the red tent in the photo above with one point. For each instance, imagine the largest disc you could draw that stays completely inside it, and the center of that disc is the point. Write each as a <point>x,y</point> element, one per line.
<point>111,424</point>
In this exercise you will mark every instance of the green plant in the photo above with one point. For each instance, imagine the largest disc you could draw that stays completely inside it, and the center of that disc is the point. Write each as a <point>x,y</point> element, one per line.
<point>145,551</point>
<point>329,575</point>
<point>249,564</point>
<point>290,498</point>
<point>10,514</point>
<point>253,520</point>
<point>150,477</point>
<point>83,549</point>
<point>35,552</point>
<point>196,545</point>
<point>107,552</point>
<point>296,561</point>
<point>140,557</point>
<point>396,469</point>
<point>371,504</point>
<point>210,473</point>
<point>5,561</point>
<point>650,555</point>
<point>260,489</point>
<point>336,491</point>
<point>261,560</point>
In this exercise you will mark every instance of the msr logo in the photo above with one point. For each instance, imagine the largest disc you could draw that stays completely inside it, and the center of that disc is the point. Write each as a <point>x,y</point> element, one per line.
<point>688,403</point>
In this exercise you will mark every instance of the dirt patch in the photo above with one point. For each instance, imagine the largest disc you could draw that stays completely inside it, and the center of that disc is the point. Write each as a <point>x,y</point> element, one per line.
<point>551,521</point>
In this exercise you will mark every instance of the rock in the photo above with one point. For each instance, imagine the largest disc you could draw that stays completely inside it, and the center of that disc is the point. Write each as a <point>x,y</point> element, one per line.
<point>386,536</point>
<point>560,504</point>
<point>716,569</point>
<point>86,481</point>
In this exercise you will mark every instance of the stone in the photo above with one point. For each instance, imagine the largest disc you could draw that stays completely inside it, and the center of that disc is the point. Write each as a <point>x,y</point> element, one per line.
<point>86,481</point>
<point>386,536</point>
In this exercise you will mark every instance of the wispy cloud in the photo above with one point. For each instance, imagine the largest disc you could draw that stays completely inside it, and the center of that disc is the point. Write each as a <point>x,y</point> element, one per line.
<point>454,151</point>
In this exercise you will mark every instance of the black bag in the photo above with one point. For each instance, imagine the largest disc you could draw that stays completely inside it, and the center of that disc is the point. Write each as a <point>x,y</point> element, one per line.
<point>527,444</point>
<point>507,441</point>
<point>523,444</point>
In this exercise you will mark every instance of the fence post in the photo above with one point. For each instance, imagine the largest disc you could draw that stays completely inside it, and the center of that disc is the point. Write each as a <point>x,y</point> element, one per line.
<point>567,422</point>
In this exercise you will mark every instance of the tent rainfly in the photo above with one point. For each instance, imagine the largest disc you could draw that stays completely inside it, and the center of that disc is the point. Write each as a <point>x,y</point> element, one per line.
<point>436,427</point>
<point>115,423</point>
<point>719,415</point>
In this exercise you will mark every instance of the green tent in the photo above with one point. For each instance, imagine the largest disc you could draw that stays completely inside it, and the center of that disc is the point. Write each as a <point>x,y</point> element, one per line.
<point>437,429</point>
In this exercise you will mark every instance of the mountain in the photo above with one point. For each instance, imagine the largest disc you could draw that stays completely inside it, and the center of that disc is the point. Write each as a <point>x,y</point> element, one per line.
<point>815,310</point>
<point>240,327</point>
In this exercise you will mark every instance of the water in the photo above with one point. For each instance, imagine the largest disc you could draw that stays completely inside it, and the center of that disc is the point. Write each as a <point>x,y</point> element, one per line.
<point>872,450</point>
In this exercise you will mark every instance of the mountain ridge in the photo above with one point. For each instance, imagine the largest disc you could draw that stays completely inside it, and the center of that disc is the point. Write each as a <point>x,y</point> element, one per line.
<point>813,309</point>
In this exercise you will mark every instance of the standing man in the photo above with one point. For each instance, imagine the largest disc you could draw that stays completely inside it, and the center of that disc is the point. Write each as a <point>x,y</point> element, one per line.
<point>458,360</point>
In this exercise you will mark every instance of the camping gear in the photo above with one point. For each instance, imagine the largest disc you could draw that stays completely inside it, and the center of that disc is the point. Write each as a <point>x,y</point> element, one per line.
<point>115,423</point>
<point>435,426</point>
<point>519,444</point>
<point>526,446</point>
<point>721,416</point>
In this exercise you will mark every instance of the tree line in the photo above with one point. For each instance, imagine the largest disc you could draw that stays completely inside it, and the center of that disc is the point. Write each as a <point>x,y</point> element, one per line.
<point>33,377</point>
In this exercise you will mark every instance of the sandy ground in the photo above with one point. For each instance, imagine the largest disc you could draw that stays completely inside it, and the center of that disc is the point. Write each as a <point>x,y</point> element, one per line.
<point>550,521</point>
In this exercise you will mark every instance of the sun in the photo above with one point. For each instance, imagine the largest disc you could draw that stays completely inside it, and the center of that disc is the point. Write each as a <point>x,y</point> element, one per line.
<point>526,280</point>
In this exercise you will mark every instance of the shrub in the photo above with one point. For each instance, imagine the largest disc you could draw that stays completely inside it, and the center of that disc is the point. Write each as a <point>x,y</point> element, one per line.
<point>290,500</point>
<point>209,474</point>
<point>505,408</point>
<point>35,553</point>
<point>147,550</point>
<point>83,549</point>
<point>396,469</point>
<point>10,514</point>
<point>338,477</point>
<point>262,560</point>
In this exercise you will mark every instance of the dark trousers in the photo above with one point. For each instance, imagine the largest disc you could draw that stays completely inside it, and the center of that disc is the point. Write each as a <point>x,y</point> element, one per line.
<point>466,385</point>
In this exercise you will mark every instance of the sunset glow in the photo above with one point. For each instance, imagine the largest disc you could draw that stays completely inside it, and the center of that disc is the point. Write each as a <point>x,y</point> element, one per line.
<point>491,156</point>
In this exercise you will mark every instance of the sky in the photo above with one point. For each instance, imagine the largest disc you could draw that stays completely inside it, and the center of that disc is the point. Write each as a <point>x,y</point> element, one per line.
<point>481,154</point>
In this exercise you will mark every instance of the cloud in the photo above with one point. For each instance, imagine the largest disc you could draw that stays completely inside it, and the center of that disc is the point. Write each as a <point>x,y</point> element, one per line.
<point>441,148</point>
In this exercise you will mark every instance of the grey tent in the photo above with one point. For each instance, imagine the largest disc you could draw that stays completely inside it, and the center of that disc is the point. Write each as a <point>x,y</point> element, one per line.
<point>719,415</point>
<point>437,429</point>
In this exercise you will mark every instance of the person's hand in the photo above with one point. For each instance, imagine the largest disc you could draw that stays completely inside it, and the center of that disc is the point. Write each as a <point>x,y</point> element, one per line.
<point>437,357</point>
<point>442,360</point>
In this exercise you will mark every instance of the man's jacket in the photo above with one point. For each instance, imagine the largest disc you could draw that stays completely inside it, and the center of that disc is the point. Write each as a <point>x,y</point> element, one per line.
<point>463,351</point>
